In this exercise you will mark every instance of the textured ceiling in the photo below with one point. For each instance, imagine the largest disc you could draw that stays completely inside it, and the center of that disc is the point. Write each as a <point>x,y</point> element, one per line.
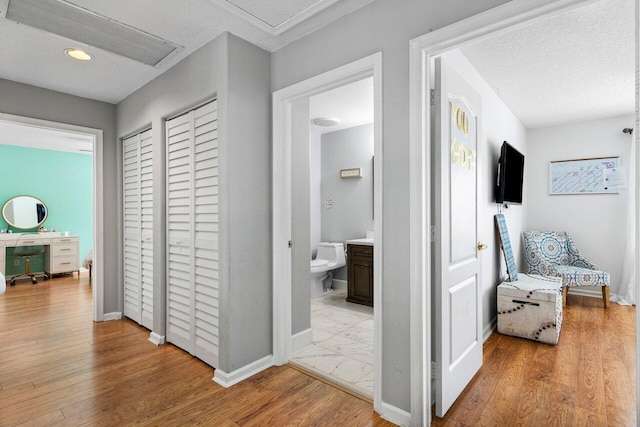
<point>37,58</point>
<point>576,66</point>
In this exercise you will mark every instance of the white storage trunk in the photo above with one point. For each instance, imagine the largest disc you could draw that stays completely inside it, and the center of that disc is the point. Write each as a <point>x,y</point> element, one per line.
<point>531,307</point>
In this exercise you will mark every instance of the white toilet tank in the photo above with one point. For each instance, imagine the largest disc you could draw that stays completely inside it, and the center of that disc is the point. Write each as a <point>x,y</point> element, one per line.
<point>332,252</point>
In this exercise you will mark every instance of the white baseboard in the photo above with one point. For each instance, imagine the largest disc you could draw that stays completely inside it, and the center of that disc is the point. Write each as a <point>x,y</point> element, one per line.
<point>116,315</point>
<point>301,340</point>
<point>156,339</point>
<point>488,330</point>
<point>228,379</point>
<point>339,284</point>
<point>394,414</point>
<point>587,291</point>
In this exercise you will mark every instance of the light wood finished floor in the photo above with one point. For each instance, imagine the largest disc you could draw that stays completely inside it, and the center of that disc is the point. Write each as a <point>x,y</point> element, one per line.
<point>588,379</point>
<point>58,368</point>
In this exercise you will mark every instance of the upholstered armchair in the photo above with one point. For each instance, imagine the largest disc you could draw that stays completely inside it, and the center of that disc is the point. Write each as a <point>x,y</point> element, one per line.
<point>553,253</point>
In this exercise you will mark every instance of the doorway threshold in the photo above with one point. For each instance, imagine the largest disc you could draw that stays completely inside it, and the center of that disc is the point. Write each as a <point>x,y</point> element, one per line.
<point>341,385</point>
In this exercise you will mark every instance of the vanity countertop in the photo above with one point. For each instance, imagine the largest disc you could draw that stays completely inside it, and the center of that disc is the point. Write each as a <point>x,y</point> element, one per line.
<point>39,235</point>
<point>364,241</point>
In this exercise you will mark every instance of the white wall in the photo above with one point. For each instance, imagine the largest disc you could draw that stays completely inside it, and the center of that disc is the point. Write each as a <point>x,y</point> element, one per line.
<point>315,184</point>
<point>499,125</point>
<point>352,213</point>
<point>381,26</point>
<point>595,221</point>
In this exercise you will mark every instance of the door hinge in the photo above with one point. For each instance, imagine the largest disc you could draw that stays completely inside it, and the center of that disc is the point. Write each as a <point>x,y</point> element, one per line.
<point>435,96</point>
<point>434,369</point>
<point>290,244</point>
<point>434,234</point>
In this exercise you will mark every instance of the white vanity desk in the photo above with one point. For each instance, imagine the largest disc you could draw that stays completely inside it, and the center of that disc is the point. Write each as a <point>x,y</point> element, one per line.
<point>61,254</point>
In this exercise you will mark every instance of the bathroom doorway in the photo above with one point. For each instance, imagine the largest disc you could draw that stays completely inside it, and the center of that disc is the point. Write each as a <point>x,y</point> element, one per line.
<point>296,331</point>
<point>341,173</point>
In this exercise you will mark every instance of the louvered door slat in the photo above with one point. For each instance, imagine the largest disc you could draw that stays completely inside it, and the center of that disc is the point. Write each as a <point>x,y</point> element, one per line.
<point>131,217</point>
<point>138,227</point>
<point>179,324</point>
<point>205,237</point>
<point>146,228</point>
<point>192,240</point>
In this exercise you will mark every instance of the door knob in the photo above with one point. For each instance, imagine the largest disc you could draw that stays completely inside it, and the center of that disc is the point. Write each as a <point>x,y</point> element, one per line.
<point>481,246</point>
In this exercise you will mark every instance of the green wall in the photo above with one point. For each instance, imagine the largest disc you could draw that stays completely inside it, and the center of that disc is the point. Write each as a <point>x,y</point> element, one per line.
<point>62,180</point>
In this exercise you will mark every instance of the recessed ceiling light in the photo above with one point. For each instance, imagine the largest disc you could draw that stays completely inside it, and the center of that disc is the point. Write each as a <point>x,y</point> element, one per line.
<point>325,122</point>
<point>78,54</point>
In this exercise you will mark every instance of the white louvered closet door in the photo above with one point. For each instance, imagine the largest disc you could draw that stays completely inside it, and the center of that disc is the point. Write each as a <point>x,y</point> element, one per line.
<point>192,232</point>
<point>138,228</point>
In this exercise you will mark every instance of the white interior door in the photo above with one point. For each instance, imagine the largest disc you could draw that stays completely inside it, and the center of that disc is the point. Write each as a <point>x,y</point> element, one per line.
<point>132,220</point>
<point>146,229</point>
<point>458,287</point>
<point>138,228</point>
<point>192,232</point>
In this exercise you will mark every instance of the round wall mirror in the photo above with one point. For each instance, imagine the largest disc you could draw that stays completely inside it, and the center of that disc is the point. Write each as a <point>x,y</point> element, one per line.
<point>24,212</point>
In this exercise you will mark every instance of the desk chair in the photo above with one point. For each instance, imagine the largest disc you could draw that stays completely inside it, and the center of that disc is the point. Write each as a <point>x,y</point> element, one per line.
<point>27,252</point>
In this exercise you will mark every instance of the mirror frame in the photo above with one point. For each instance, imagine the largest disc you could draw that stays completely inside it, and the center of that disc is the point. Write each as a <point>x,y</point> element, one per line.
<point>38,225</point>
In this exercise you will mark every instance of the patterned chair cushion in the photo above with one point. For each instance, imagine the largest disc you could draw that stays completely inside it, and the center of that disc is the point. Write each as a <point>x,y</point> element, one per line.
<point>553,253</point>
<point>580,276</point>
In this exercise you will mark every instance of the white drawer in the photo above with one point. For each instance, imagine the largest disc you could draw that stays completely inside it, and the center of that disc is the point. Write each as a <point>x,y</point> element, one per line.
<point>64,248</point>
<point>64,239</point>
<point>60,264</point>
<point>29,241</point>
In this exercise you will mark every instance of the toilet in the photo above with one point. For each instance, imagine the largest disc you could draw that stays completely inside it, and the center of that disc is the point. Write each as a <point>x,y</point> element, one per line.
<point>329,257</point>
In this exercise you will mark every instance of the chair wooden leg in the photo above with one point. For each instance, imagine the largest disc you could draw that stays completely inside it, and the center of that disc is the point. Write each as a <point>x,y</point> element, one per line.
<point>564,296</point>
<point>605,296</point>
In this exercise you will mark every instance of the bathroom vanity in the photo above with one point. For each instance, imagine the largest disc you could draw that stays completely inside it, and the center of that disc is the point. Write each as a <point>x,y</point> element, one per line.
<point>360,271</point>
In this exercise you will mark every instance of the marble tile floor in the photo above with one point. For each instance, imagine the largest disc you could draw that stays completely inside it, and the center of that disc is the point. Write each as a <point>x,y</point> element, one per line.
<point>342,349</point>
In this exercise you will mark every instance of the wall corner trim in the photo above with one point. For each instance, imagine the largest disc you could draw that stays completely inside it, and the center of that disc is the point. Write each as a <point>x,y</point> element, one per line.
<point>116,315</point>
<point>228,379</point>
<point>156,338</point>
<point>394,414</point>
<point>301,340</point>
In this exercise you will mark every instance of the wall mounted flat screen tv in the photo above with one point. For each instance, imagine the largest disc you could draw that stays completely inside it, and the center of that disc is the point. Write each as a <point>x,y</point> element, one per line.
<point>510,175</point>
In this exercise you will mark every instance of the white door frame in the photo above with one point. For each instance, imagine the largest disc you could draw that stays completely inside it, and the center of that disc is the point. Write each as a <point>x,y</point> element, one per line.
<point>423,50</point>
<point>370,66</point>
<point>98,202</point>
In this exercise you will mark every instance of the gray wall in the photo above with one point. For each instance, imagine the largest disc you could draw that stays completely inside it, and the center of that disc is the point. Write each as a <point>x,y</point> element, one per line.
<point>385,26</point>
<point>248,146</point>
<point>352,213</point>
<point>195,79</point>
<point>300,218</point>
<point>238,74</point>
<point>315,184</point>
<point>30,101</point>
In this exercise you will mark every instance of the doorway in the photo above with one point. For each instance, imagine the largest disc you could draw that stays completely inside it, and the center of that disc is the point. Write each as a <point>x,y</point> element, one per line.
<point>291,123</point>
<point>423,51</point>
<point>95,136</point>
<point>338,346</point>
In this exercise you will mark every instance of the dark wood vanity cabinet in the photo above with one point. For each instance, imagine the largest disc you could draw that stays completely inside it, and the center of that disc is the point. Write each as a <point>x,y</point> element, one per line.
<point>360,274</point>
